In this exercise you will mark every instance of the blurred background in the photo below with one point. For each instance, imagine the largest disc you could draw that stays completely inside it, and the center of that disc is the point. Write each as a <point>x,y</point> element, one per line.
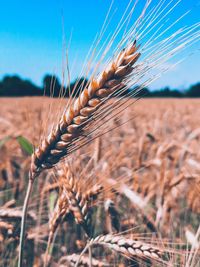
<point>34,37</point>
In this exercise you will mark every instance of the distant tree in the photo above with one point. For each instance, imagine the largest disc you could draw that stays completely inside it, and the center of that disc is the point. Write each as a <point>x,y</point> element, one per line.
<point>193,91</point>
<point>15,86</point>
<point>51,85</point>
<point>144,92</point>
<point>166,92</point>
<point>176,93</point>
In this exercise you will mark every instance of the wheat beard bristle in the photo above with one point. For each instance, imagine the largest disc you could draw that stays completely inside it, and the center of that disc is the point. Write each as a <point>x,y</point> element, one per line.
<point>73,121</point>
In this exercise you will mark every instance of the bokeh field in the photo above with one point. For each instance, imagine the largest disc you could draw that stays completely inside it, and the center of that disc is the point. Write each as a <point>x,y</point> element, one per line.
<point>148,170</point>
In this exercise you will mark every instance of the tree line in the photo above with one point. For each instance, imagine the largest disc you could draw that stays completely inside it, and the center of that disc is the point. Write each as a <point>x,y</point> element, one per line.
<point>14,86</point>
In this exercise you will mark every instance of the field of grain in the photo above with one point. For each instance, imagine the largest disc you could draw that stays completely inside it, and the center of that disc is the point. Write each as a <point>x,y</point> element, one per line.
<point>131,195</point>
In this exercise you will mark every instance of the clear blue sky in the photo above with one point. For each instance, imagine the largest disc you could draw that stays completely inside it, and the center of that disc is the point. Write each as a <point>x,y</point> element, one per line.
<point>31,36</point>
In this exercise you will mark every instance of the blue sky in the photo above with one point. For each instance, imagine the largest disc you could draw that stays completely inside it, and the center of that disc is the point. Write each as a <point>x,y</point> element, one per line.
<point>31,36</point>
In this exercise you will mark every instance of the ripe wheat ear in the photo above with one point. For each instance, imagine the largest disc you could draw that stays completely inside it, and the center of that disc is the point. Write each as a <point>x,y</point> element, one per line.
<point>71,201</point>
<point>127,247</point>
<point>75,119</point>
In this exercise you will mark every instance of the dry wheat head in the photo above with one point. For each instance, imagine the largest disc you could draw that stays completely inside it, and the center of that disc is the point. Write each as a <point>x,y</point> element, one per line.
<point>128,247</point>
<point>73,121</point>
<point>72,201</point>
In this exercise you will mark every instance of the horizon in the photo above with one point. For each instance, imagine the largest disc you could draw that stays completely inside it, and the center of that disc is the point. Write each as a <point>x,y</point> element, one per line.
<point>41,86</point>
<point>32,38</point>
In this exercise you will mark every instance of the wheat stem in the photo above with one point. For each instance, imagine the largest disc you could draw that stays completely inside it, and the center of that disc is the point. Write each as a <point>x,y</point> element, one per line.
<point>23,222</point>
<point>83,251</point>
<point>90,256</point>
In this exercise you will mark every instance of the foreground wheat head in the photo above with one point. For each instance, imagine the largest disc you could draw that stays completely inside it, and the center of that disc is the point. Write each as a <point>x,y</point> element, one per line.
<point>78,113</point>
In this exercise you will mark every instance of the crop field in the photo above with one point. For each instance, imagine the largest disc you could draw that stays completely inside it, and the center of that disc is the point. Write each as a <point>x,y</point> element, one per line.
<point>126,196</point>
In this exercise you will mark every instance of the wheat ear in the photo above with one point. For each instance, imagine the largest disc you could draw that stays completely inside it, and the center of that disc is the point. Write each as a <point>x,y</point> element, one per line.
<point>71,200</point>
<point>85,261</point>
<point>77,204</point>
<point>127,247</point>
<point>63,208</point>
<point>15,215</point>
<point>81,110</point>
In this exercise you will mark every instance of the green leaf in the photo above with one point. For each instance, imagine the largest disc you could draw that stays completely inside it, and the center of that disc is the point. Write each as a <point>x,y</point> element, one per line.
<point>4,140</point>
<point>52,201</point>
<point>26,146</point>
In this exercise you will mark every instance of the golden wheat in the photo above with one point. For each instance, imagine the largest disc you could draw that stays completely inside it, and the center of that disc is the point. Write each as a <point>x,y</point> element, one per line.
<point>74,120</point>
<point>128,247</point>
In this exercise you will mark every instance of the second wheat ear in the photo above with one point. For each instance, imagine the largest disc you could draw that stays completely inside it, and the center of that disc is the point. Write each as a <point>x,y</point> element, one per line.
<point>72,200</point>
<point>75,119</point>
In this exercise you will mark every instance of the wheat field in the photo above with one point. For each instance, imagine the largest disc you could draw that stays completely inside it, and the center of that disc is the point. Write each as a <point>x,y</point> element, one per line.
<point>101,176</point>
<point>128,198</point>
